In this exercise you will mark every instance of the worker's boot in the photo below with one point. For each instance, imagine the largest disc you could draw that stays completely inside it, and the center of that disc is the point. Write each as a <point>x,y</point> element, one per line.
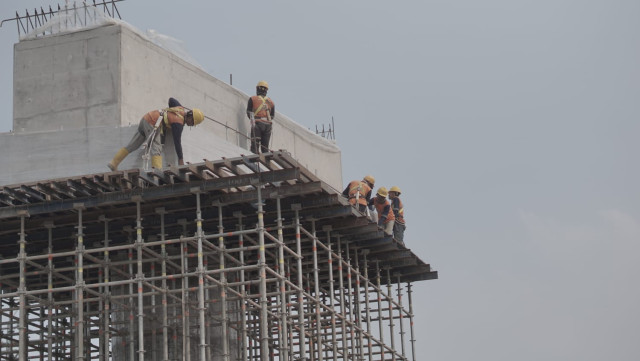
<point>156,161</point>
<point>120,155</point>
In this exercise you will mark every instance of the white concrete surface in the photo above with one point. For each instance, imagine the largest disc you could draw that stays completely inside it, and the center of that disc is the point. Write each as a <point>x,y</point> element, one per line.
<point>79,96</point>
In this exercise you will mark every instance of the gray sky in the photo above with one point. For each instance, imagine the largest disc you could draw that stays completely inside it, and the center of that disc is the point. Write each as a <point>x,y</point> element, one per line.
<point>511,126</point>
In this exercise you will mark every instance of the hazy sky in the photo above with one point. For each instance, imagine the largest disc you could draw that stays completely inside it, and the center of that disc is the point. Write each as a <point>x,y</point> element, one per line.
<point>511,126</point>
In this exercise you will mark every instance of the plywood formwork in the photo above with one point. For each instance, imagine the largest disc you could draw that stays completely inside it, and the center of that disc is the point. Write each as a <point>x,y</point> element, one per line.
<point>248,258</point>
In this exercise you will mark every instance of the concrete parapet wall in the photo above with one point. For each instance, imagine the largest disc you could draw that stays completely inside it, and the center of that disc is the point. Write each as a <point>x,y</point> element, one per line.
<point>80,96</point>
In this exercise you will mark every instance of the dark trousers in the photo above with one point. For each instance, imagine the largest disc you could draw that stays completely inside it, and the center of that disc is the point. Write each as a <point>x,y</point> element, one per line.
<point>260,136</point>
<point>398,232</point>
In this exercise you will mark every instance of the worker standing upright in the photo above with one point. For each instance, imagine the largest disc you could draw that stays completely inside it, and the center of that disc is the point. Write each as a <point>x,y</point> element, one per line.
<point>386,218</point>
<point>398,210</point>
<point>167,120</point>
<point>261,111</point>
<point>359,192</point>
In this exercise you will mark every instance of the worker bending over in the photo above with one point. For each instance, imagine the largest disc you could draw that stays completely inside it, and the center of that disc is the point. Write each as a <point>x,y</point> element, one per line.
<point>359,192</point>
<point>261,111</point>
<point>386,218</point>
<point>398,211</point>
<point>168,120</point>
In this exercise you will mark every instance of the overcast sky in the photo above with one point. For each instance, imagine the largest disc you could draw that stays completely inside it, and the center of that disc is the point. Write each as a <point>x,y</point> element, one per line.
<point>511,126</point>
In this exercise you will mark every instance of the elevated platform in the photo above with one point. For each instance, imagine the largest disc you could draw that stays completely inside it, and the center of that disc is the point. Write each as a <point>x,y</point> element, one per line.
<point>230,183</point>
<point>237,257</point>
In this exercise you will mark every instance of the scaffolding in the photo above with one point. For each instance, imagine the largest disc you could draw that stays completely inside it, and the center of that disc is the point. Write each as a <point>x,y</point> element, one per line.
<point>247,258</point>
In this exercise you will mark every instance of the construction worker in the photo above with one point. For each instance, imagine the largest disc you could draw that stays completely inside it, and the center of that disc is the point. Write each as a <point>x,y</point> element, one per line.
<point>261,111</point>
<point>398,211</point>
<point>386,218</point>
<point>359,192</point>
<point>171,120</point>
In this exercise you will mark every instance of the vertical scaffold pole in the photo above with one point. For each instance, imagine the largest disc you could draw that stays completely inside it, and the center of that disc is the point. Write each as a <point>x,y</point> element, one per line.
<point>391,321</point>
<point>223,291</point>
<point>264,331</point>
<point>140,278</point>
<point>50,305</point>
<point>186,330</point>
<point>413,339</point>
<point>284,349</point>
<point>345,351</point>
<point>289,311</point>
<point>350,296</point>
<point>358,310</point>
<point>80,285</point>
<point>365,252</point>
<point>163,253</point>
<point>154,312</point>
<point>106,335</point>
<point>332,294</point>
<point>303,342</point>
<point>379,294</point>
<point>22,290</point>
<point>243,290</point>
<point>202,346</point>
<point>132,350</point>
<point>400,315</point>
<point>316,289</point>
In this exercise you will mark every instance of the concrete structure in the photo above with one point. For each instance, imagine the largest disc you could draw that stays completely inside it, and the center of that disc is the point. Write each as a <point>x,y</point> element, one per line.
<point>78,97</point>
<point>239,257</point>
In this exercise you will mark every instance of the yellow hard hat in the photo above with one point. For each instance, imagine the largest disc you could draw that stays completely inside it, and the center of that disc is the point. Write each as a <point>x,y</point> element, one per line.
<point>198,116</point>
<point>382,191</point>
<point>395,189</point>
<point>370,180</point>
<point>263,83</point>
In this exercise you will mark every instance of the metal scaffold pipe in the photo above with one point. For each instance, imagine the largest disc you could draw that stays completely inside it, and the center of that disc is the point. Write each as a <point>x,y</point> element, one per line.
<point>163,252</point>
<point>22,288</point>
<point>284,348</point>
<point>80,286</point>
<point>199,234</point>
<point>140,278</point>
<point>264,331</point>
<point>223,293</point>
<point>301,321</point>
